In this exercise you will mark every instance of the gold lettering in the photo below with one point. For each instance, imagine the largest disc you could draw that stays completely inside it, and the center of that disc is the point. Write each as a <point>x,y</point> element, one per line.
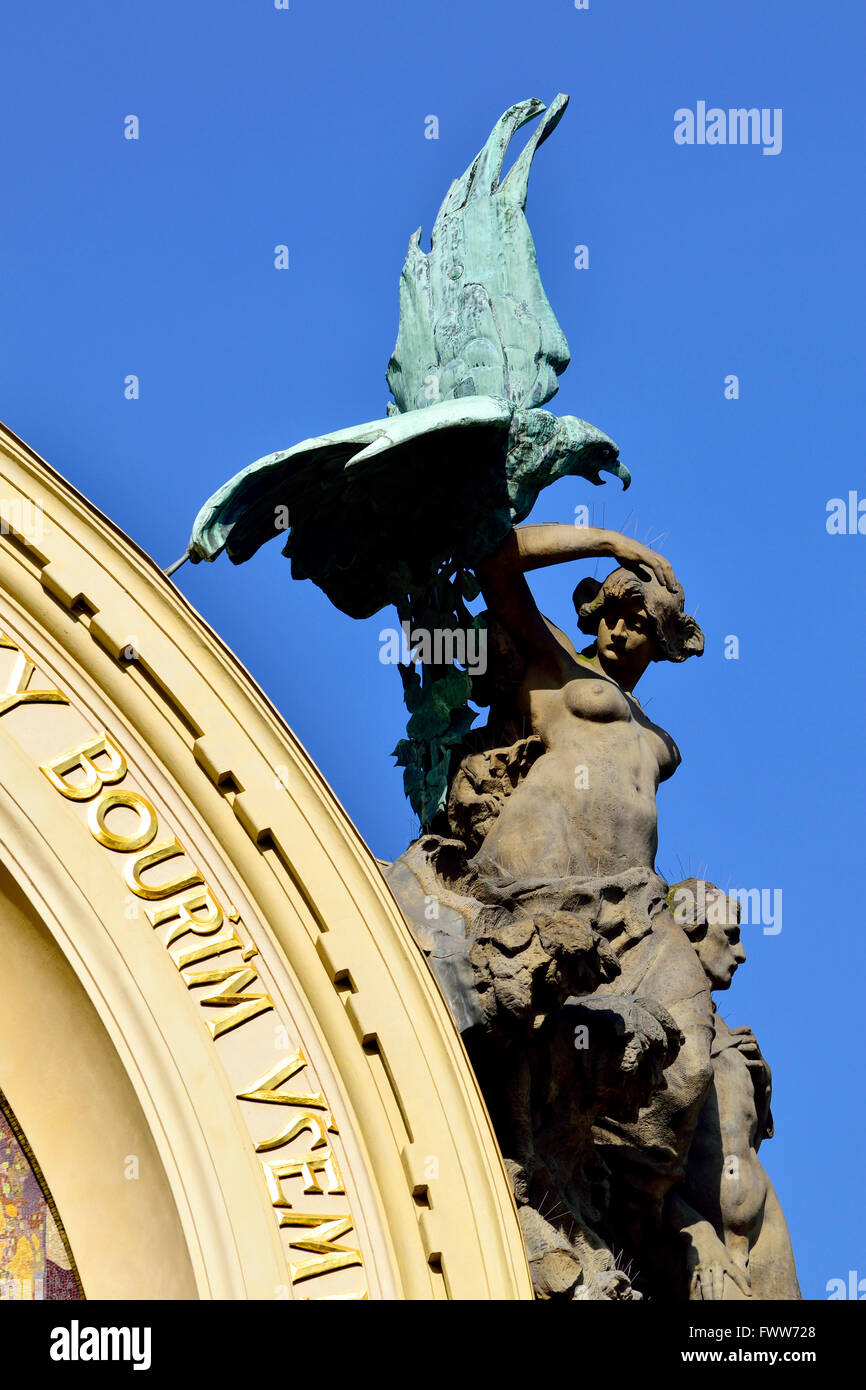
<point>265,1089</point>
<point>17,690</point>
<point>96,820</point>
<point>215,947</point>
<point>194,900</point>
<point>314,1123</point>
<point>83,757</point>
<point>166,849</point>
<point>322,1242</point>
<point>233,982</point>
<point>195,909</point>
<point>307,1168</point>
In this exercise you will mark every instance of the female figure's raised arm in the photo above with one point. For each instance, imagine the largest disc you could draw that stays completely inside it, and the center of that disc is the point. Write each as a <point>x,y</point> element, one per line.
<point>509,597</point>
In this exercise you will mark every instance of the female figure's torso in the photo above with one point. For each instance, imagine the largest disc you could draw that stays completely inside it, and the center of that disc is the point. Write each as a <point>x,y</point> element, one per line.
<point>588,805</point>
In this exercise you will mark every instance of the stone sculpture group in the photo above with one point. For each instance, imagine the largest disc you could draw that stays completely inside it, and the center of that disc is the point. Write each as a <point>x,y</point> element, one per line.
<point>628,1112</point>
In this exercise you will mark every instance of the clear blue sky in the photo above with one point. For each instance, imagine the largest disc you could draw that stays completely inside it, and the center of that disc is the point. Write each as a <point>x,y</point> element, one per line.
<point>306,127</point>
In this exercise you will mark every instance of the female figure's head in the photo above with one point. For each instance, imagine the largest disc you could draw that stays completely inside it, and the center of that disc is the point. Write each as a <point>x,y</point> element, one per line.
<point>635,621</point>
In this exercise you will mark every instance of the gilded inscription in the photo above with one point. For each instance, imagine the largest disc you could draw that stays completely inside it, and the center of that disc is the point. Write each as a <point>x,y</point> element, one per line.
<point>200,931</point>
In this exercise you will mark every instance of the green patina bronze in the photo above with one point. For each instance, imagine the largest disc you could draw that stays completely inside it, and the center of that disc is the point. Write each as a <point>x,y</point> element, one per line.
<point>400,510</point>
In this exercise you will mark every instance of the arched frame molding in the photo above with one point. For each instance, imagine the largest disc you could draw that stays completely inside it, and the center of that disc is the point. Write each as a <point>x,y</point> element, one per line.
<point>132,1059</point>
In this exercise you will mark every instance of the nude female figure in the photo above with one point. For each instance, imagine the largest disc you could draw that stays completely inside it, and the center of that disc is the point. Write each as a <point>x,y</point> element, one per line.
<point>586,809</point>
<point>584,710</point>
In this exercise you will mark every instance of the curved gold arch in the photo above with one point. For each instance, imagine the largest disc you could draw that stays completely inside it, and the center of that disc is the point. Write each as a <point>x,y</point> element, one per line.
<point>207,973</point>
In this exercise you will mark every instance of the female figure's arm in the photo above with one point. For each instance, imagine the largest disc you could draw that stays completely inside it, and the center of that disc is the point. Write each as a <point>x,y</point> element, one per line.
<point>508,595</point>
<point>551,543</point>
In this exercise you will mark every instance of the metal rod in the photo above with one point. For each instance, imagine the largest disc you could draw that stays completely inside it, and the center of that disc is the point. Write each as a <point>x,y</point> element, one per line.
<point>177,564</point>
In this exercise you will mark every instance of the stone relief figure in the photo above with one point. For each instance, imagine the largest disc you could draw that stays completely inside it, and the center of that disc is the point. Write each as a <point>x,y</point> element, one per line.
<point>735,1236</point>
<point>532,888</point>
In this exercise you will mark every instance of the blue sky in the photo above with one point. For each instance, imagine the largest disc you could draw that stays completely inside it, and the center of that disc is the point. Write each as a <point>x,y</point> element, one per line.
<point>306,127</point>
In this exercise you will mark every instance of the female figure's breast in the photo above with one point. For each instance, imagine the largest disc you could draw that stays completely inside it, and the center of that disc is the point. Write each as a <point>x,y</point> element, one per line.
<point>587,805</point>
<point>588,697</point>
